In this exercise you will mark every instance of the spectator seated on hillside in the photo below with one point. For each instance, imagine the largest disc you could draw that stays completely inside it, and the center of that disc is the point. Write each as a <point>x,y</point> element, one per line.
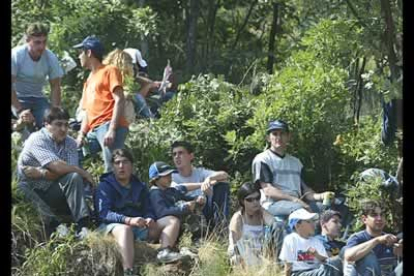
<point>122,202</point>
<point>148,86</point>
<point>139,64</point>
<point>253,232</point>
<point>280,176</point>
<point>49,174</point>
<point>200,181</point>
<point>304,254</point>
<point>171,207</point>
<point>371,251</point>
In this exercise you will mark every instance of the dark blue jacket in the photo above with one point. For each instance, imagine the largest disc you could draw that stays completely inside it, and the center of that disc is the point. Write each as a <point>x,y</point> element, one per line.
<point>114,202</point>
<point>163,202</point>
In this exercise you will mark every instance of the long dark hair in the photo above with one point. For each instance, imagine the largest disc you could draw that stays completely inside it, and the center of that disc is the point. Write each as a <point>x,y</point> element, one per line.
<point>245,190</point>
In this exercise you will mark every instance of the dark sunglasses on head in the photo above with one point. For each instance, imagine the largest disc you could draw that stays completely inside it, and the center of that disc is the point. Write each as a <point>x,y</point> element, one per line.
<point>251,199</point>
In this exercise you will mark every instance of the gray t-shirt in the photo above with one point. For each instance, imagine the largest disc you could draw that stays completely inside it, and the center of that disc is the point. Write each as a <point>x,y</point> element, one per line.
<point>31,75</point>
<point>197,175</point>
<point>283,172</point>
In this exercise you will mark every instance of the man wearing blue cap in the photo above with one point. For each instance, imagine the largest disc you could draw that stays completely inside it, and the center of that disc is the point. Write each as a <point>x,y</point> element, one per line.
<point>303,253</point>
<point>103,125</point>
<point>280,175</point>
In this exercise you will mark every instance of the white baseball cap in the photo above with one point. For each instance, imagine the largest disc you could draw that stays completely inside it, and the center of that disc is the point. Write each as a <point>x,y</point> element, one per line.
<point>301,214</point>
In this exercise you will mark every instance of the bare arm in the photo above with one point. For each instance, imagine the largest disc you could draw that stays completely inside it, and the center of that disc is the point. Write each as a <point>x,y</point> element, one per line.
<point>219,176</point>
<point>359,251</point>
<point>60,168</point>
<point>119,98</point>
<point>15,102</point>
<point>288,269</point>
<point>55,91</point>
<point>276,193</point>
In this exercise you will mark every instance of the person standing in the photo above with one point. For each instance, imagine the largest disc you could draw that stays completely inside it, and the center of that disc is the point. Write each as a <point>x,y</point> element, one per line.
<point>103,124</point>
<point>32,64</point>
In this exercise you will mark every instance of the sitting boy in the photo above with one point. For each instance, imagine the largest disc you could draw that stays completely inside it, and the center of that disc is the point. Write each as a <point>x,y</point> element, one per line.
<point>165,202</point>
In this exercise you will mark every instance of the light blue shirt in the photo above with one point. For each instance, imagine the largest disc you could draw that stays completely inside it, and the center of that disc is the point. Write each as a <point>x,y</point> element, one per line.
<point>197,175</point>
<point>31,75</point>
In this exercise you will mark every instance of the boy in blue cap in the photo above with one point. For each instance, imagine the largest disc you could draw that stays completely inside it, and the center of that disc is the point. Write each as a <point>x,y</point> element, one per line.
<point>169,208</point>
<point>280,176</point>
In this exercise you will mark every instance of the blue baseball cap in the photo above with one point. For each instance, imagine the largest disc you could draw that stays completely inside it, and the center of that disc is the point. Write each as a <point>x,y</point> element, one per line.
<point>159,168</point>
<point>91,43</point>
<point>277,124</point>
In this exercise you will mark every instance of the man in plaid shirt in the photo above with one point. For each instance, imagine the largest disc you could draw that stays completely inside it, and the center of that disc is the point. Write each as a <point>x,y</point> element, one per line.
<point>49,173</point>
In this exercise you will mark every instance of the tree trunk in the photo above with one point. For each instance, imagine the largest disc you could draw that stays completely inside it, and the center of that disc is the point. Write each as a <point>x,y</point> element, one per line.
<point>144,42</point>
<point>272,36</point>
<point>246,20</point>
<point>389,37</point>
<point>193,14</point>
<point>212,13</point>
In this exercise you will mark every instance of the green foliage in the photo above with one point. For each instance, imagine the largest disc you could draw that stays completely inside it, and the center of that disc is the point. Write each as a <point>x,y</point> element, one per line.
<point>372,189</point>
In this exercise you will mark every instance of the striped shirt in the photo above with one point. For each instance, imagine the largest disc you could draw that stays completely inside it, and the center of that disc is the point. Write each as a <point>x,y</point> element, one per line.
<point>39,150</point>
<point>283,173</point>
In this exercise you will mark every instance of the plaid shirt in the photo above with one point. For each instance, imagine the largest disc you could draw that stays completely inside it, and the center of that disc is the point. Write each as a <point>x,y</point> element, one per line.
<point>39,150</point>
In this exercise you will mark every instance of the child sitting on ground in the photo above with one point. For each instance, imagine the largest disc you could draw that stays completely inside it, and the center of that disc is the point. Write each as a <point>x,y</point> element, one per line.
<point>170,205</point>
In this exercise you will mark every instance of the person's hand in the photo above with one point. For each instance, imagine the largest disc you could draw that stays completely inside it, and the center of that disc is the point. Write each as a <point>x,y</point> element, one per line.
<point>149,222</point>
<point>312,251</point>
<point>26,116</point>
<point>327,196</point>
<point>191,205</point>
<point>32,172</point>
<point>387,239</point>
<point>398,248</point>
<point>200,200</point>
<point>304,204</point>
<point>109,137</point>
<point>80,141</point>
<point>207,186</point>
<point>89,178</point>
<point>138,221</point>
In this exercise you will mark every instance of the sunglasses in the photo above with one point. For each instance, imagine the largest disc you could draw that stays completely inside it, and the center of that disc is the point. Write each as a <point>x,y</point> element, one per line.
<point>251,199</point>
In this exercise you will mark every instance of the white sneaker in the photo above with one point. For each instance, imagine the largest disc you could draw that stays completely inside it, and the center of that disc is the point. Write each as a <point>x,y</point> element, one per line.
<point>62,230</point>
<point>187,252</point>
<point>82,233</point>
<point>167,256</point>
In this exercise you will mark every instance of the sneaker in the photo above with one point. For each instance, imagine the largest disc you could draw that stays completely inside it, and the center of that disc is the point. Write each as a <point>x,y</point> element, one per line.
<point>82,233</point>
<point>129,272</point>
<point>62,230</point>
<point>167,256</point>
<point>185,251</point>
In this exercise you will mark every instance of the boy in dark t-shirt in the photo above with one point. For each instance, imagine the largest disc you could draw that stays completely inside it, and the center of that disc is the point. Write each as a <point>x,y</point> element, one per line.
<point>330,222</point>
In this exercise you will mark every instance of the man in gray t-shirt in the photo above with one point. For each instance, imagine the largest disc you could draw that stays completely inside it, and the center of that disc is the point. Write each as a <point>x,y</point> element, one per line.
<point>32,64</point>
<point>213,183</point>
<point>280,176</point>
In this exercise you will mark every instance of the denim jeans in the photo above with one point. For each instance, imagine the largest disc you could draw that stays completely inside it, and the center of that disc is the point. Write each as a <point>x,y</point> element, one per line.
<point>217,205</point>
<point>37,105</point>
<point>141,106</point>
<point>96,137</point>
<point>367,266</point>
<point>332,267</point>
<point>285,207</point>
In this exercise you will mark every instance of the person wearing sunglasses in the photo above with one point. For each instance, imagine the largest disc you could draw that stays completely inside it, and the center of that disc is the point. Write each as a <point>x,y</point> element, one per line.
<point>249,239</point>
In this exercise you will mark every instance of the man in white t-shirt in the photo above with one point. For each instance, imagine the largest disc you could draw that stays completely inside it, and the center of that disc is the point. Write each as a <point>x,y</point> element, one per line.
<point>302,253</point>
<point>32,65</point>
<point>280,176</point>
<point>214,183</point>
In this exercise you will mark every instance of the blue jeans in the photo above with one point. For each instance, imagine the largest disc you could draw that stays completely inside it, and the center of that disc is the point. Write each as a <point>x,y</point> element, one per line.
<point>285,207</point>
<point>96,137</point>
<point>367,266</point>
<point>38,107</point>
<point>332,267</point>
<point>217,205</point>
<point>141,106</point>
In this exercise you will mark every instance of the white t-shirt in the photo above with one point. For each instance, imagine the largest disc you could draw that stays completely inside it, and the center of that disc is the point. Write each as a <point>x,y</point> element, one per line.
<point>294,251</point>
<point>197,175</point>
<point>136,56</point>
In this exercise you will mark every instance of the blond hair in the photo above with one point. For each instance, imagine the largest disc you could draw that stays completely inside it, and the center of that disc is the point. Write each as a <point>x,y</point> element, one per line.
<point>121,60</point>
